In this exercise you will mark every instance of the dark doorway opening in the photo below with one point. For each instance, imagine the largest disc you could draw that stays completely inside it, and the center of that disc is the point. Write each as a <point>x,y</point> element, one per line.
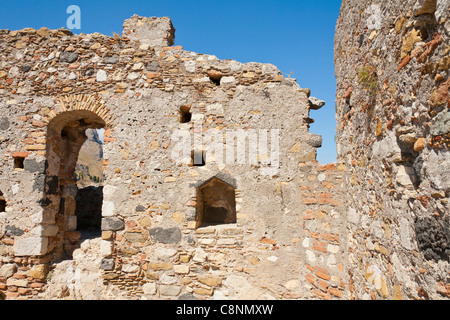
<point>88,211</point>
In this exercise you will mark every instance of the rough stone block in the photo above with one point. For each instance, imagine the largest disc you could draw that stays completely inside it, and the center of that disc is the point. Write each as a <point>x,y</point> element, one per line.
<point>33,246</point>
<point>17,282</point>
<point>167,236</point>
<point>112,224</point>
<point>68,57</point>
<point>168,290</point>
<point>107,209</point>
<point>8,270</point>
<point>107,264</point>
<point>39,271</point>
<point>136,236</point>
<point>181,269</point>
<point>156,32</point>
<point>105,248</point>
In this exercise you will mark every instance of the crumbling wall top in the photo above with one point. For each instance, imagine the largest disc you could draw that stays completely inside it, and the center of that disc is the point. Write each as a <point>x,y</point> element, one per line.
<point>156,32</point>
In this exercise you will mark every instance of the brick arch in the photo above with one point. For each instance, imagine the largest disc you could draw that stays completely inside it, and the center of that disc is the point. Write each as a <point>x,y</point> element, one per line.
<point>81,102</point>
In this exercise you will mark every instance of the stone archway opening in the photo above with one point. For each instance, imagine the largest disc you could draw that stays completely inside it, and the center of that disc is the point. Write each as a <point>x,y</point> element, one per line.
<point>216,203</point>
<point>66,135</point>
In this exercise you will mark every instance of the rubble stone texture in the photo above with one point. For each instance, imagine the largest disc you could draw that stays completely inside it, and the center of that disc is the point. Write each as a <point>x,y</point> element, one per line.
<point>176,221</point>
<point>392,71</point>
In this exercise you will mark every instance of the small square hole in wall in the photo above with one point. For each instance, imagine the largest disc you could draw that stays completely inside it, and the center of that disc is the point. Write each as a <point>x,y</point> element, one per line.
<point>185,114</point>
<point>198,158</point>
<point>18,162</point>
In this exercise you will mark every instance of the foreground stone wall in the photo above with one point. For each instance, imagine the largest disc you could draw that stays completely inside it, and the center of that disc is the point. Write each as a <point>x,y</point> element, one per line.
<point>154,101</point>
<point>392,69</point>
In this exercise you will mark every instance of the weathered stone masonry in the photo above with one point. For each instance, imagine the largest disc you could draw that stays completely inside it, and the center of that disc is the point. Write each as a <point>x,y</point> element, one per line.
<point>170,228</point>
<point>374,225</point>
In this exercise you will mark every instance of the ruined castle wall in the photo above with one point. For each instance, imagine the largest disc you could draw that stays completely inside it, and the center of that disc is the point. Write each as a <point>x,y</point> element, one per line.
<point>392,111</point>
<point>54,85</point>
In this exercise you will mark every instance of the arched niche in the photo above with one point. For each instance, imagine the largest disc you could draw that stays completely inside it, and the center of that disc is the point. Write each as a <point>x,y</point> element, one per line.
<point>216,203</point>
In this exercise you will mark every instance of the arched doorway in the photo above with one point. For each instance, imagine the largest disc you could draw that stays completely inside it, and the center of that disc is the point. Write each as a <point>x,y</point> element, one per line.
<point>66,134</point>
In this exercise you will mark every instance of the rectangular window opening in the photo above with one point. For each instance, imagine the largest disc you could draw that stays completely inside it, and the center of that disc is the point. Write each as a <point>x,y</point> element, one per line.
<point>198,158</point>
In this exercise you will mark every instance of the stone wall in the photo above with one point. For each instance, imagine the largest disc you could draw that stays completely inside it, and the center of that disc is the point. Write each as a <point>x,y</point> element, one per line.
<point>392,109</point>
<point>155,102</point>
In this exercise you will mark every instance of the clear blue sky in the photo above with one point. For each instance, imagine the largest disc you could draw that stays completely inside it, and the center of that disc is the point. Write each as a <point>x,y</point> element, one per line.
<point>295,35</point>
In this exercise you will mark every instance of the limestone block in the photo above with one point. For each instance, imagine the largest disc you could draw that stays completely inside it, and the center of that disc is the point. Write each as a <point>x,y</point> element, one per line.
<point>32,246</point>
<point>181,269</point>
<point>199,256</point>
<point>353,216</point>
<point>102,76</point>
<point>424,7</point>
<point>165,253</point>
<point>105,248</point>
<point>156,32</point>
<point>315,104</point>
<point>169,290</point>
<point>405,238</point>
<point>39,271</point>
<point>8,270</point>
<point>108,191</point>
<point>136,236</point>
<point>17,282</point>
<point>107,264</point>
<point>436,170</point>
<point>441,123</point>
<point>149,288</point>
<point>190,66</point>
<point>227,80</point>
<point>387,148</point>
<point>166,279</point>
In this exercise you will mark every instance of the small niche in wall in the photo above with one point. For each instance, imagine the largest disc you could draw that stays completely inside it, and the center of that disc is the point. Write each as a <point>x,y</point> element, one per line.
<point>215,76</point>
<point>216,203</point>
<point>19,158</point>
<point>18,163</point>
<point>185,113</point>
<point>198,158</point>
